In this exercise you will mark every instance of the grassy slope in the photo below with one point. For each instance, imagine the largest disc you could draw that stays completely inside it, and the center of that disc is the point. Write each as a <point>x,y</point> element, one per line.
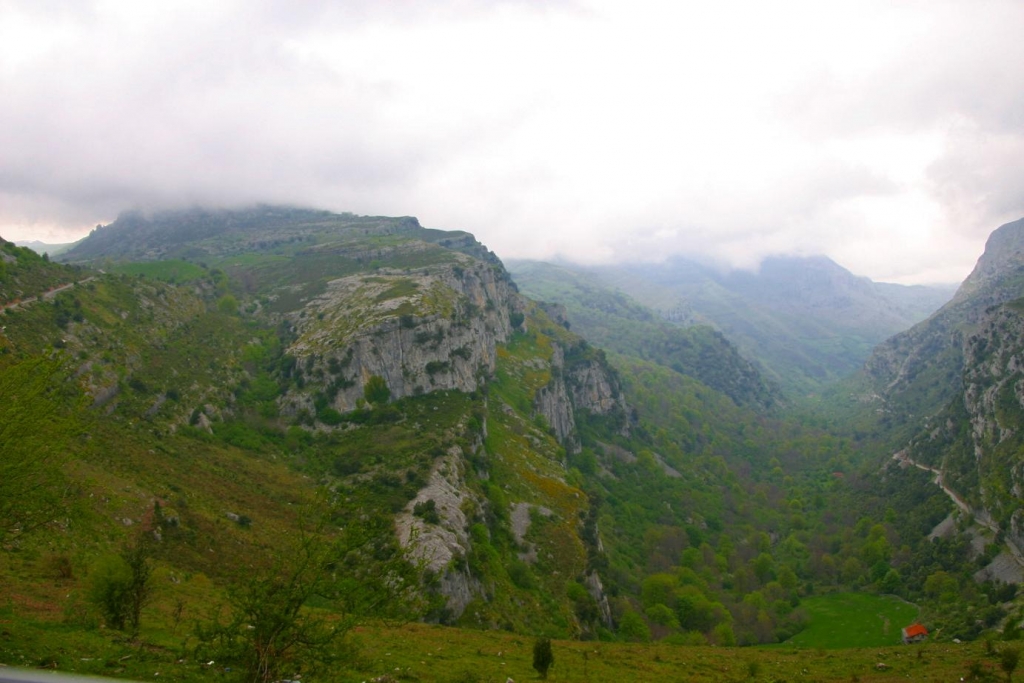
<point>844,620</point>
<point>418,652</point>
<point>166,351</point>
<point>425,653</point>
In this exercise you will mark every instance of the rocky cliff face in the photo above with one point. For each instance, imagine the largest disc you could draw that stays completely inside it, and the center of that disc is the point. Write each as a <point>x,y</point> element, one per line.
<point>442,544</point>
<point>458,323</point>
<point>975,439</point>
<point>916,373</point>
<point>584,383</point>
<point>954,385</point>
<point>420,331</point>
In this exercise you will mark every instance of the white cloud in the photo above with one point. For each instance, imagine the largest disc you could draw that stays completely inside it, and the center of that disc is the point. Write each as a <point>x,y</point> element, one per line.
<point>887,135</point>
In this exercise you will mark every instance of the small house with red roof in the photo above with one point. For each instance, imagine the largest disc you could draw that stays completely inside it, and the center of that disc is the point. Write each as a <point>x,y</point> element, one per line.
<point>914,633</point>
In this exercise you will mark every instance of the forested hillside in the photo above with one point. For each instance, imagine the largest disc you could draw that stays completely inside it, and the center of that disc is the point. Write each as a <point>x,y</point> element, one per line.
<point>615,322</point>
<point>894,509</point>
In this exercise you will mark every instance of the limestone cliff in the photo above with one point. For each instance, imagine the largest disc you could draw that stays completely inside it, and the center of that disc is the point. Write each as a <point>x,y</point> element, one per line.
<point>977,440</point>
<point>420,330</point>
<point>458,323</point>
<point>582,382</point>
<point>915,373</point>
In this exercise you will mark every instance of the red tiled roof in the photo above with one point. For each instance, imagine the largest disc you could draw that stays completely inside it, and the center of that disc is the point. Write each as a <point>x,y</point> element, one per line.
<point>915,630</point>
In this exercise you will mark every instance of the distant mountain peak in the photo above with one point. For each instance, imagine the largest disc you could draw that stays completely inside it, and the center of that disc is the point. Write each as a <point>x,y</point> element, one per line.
<point>1003,255</point>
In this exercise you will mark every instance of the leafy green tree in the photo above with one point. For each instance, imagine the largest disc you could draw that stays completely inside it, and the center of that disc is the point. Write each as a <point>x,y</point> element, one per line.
<point>543,657</point>
<point>376,391</point>
<point>891,582</point>
<point>1009,657</point>
<point>764,567</point>
<point>121,585</point>
<point>659,589</point>
<point>723,635</point>
<point>662,616</point>
<point>108,591</point>
<point>633,628</point>
<point>941,585</point>
<point>227,304</point>
<point>140,571</point>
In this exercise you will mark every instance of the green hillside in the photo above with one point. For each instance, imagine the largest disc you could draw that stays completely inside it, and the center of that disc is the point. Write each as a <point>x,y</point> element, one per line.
<point>806,322</point>
<point>300,428</point>
<point>613,321</point>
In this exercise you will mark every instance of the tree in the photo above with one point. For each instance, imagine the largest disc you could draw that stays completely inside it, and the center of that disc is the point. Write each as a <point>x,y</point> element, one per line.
<point>543,658</point>
<point>227,304</point>
<point>376,391</point>
<point>136,556</point>
<point>108,590</point>
<point>633,628</point>
<point>891,582</point>
<point>121,585</point>
<point>1009,657</point>
<point>35,428</point>
<point>356,572</point>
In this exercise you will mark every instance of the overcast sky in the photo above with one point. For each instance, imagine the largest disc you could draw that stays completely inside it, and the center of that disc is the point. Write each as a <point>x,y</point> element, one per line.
<point>888,135</point>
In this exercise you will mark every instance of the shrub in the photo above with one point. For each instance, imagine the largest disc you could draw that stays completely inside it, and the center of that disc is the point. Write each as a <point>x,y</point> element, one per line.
<point>227,304</point>
<point>521,575</point>
<point>427,511</point>
<point>120,586</point>
<point>436,366</point>
<point>60,567</point>
<point>330,416</point>
<point>543,658</point>
<point>376,390</point>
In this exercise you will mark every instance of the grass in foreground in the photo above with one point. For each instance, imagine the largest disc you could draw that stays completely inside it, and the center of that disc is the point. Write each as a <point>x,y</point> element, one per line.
<point>418,652</point>
<point>426,653</point>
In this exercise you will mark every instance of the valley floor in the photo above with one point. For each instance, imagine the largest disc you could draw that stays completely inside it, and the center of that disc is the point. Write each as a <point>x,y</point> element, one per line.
<point>419,652</point>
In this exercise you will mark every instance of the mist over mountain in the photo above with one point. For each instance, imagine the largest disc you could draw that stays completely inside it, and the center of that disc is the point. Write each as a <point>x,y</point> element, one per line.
<point>614,321</point>
<point>805,321</point>
<point>44,248</point>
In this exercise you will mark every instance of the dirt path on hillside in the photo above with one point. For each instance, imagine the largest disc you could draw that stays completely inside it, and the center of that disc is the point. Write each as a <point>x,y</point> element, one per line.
<point>45,296</point>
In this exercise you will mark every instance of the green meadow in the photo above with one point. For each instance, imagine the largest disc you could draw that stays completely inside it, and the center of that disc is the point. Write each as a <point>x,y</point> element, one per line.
<point>842,620</point>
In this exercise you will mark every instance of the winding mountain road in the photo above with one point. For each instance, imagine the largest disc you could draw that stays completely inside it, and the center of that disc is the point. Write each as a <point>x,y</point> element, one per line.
<point>981,517</point>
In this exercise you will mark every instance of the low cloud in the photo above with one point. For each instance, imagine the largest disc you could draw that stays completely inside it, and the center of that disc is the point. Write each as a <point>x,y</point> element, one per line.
<point>886,135</point>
